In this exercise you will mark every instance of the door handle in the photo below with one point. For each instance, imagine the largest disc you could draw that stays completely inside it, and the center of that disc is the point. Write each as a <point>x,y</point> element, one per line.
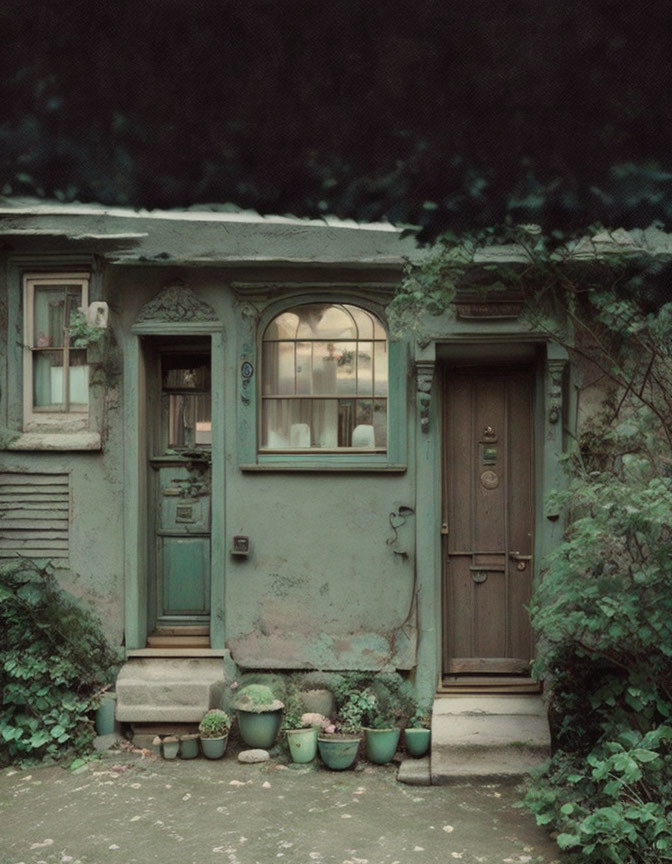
<point>518,557</point>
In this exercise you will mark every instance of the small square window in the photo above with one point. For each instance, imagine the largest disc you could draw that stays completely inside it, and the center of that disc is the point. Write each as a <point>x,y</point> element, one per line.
<point>56,372</point>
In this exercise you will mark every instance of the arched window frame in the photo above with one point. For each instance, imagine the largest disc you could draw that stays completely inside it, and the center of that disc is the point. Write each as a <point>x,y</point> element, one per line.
<point>254,458</point>
<point>324,388</point>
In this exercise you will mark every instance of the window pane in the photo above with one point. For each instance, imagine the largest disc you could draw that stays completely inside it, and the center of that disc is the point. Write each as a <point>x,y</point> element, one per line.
<point>48,391</point>
<point>278,369</point>
<point>364,321</point>
<point>189,420</point>
<point>185,373</point>
<point>283,327</point>
<point>365,369</point>
<point>304,367</point>
<point>325,322</point>
<point>49,317</point>
<point>292,424</point>
<point>380,422</point>
<point>380,377</point>
<point>78,381</point>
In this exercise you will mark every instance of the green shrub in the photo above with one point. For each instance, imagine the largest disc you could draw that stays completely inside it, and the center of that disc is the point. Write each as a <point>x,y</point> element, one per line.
<point>604,613</point>
<point>53,661</point>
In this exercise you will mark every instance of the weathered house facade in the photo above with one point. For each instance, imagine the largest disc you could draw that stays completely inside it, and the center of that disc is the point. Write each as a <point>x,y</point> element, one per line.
<point>250,464</point>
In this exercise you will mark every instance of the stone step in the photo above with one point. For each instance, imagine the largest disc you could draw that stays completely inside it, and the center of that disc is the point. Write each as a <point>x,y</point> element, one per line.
<point>167,690</point>
<point>487,738</point>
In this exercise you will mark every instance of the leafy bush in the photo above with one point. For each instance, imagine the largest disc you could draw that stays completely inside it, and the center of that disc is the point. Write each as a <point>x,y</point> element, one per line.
<point>373,699</point>
<point>53,661</point>
<point>604,611</point>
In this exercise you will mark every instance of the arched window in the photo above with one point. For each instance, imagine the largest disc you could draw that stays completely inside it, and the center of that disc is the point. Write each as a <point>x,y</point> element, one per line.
<point>324,380</point>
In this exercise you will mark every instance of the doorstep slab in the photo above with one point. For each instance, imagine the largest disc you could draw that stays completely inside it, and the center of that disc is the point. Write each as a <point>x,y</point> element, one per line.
<point>169,689</point>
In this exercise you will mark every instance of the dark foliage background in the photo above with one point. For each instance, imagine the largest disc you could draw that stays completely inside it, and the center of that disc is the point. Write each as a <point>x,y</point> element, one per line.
<point>448,114</point>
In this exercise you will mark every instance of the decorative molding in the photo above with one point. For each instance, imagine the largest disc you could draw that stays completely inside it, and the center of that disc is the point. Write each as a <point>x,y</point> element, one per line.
<point>556,369</point>
<point>425,378</point>
<point>177,303</point>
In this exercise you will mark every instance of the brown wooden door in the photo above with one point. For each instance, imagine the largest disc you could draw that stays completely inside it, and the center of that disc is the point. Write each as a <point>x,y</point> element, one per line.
<point>489,517</point>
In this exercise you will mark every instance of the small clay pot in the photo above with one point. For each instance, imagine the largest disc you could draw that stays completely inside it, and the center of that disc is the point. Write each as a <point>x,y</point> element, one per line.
<point>171,747</point>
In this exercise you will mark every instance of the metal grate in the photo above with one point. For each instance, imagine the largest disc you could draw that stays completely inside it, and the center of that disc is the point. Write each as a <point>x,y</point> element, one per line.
<point>34,515</point>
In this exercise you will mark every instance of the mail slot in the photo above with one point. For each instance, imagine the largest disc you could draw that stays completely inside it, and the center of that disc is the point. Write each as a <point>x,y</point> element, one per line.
<point>479,573</point>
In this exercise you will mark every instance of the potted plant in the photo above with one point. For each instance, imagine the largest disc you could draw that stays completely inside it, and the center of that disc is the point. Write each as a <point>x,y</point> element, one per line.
<point>171,747</point>
<point>259,715</point>
<point>339,742</point>
<point>188,746</point>
<point>302,733</point>
<point>214,732</point>
<point>381,731</point>
<point>417,734</point>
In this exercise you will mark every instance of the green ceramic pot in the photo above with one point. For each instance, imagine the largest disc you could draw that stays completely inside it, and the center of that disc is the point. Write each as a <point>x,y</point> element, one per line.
<point>259,729</point>
<point>417,741</point>
<point>302,744</point>
<point>170,747</point>
<point>189,746</point>
<point>338,753</point>
<point>214,748</point>
<point>381,744</point>
<point>105,715</point>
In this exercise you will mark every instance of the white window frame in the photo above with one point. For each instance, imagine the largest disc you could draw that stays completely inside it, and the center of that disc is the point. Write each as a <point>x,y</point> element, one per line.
<point>41,420</point>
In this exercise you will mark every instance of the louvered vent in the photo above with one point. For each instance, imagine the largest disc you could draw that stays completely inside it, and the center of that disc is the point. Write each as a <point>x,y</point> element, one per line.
<point>34,515</point>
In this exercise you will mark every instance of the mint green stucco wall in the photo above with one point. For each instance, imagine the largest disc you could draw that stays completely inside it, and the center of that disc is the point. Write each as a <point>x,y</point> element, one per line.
<point>323,587</point>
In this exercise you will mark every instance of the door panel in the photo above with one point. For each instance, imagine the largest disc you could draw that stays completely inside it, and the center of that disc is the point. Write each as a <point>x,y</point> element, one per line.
<point>182,542</point>
<point>185,570</point>
<point>489,514</point>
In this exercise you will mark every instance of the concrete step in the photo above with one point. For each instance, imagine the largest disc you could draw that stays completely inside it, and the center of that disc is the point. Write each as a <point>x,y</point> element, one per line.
<point>166,690</point>
<point>487,738</point>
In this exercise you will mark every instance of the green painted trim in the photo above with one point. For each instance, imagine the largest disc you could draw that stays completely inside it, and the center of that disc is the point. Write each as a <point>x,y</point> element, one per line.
<point>177,328</point>
<point>428,536</point>
<point>135,499</point>
<point>250,458</point>
<point>218,552</point>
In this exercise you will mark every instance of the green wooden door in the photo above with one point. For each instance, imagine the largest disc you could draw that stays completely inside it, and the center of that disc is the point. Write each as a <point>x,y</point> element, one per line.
<point>183,543</point>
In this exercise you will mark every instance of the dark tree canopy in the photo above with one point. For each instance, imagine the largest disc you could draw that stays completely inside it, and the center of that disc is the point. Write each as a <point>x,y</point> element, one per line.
<point>447,114</point>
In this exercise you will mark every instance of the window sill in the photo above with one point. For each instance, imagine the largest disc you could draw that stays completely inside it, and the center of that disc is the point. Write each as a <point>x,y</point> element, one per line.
<point>56,441</point>
<point>349,467</point>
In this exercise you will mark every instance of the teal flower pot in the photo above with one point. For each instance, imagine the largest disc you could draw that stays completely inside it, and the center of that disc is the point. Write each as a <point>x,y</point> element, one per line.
<point>302,744</point>
<point>189,746</point>
<point>105,715</point>
<point>338,753</point>
<point>381,745</point>
<point>214,748</point>
<point>417,741</point>
<point>259,729</point>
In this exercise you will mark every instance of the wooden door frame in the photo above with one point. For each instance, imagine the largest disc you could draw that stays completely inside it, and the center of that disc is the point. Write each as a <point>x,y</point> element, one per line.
<point>554,399</point>
<point>499,675</point>
<point>136,485</point>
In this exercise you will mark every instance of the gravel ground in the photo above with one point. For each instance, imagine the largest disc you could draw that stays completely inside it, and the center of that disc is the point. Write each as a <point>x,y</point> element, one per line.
<point>133,809</point>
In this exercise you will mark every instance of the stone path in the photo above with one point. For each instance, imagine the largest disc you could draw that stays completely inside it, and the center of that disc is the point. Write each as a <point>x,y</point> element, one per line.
<point>133,810</point>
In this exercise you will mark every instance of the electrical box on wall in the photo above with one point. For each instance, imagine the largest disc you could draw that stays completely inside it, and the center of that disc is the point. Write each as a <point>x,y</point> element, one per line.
<point>240,545</point>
